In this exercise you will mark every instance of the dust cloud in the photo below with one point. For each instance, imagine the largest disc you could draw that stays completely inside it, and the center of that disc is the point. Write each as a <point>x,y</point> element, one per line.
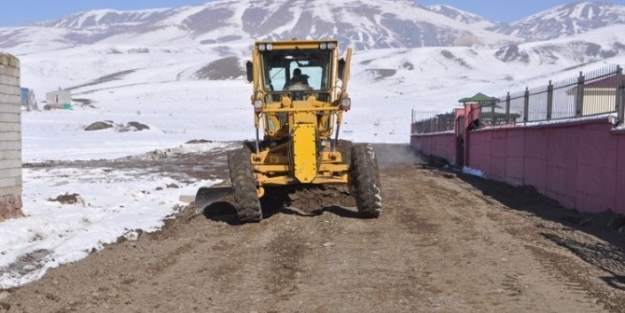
<point>390,155</point>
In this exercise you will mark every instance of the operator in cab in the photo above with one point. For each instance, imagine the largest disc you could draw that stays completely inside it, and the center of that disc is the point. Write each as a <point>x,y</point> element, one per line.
<point>298,81</point>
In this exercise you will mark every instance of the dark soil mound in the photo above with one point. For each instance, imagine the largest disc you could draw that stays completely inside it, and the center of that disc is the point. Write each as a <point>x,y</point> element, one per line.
<point>198,141</point>
<point>99,126</point>
<point>67,198</point>
<point>307,199</point>
<point>136,126</point>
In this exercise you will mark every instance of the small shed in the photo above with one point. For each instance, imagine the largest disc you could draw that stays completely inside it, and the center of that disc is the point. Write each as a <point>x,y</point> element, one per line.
<point>600,95</point>
<point>474,108</point>
<point>477,113</point>
<point>481,99</point>
<point>59,99</point>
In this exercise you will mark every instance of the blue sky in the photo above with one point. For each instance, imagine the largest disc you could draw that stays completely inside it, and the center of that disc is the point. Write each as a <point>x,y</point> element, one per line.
<point>20,12</point>
<point>506,10</point>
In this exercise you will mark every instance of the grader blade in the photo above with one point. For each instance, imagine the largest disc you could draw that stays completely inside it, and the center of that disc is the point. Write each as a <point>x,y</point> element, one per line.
<point>205,196</point>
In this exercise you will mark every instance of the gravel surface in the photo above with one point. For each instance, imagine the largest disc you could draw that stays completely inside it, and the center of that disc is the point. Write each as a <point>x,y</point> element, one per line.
<point>446,242</point>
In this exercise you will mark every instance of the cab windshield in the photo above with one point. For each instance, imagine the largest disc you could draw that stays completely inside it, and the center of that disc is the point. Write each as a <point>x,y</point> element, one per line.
<point>299,69</point>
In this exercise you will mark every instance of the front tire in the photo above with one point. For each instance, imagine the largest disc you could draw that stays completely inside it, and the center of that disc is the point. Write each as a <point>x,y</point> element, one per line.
<point>244,189</point>
<point>365,178</point>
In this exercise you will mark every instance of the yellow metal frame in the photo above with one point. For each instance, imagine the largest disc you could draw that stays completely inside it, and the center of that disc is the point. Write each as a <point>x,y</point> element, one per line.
<point>299,130</point>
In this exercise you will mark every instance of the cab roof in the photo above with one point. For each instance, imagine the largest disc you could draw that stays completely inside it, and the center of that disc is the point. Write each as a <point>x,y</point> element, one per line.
<point>297,43</point>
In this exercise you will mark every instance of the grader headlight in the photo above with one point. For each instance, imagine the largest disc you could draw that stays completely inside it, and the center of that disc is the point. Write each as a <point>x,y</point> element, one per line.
<point>258,106</point>
<point>346,104</point>
<point>265,47</point>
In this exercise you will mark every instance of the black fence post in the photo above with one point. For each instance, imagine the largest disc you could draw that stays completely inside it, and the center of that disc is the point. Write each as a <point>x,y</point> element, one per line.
<point>549,100</point>
<point>620,88</point>
<point>432,128</point>
<point>492,113</point>
<point>526,105</point>
<point>579,102</point>
<point>508,108</point>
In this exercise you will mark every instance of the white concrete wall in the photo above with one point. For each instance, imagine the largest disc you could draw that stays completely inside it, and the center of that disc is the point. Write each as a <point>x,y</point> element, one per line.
<point>10,138</point>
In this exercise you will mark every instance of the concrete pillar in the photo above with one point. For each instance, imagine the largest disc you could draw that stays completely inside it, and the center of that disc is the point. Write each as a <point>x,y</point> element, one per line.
<point>11,135</point>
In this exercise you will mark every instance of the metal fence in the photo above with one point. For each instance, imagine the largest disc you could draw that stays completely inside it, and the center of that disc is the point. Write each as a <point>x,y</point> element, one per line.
<point>431,122</point>
<point>597,92</point>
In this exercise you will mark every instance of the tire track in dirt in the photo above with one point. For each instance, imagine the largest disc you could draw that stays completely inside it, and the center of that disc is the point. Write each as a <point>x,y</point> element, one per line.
<point>287,253</point>
<point>582,262</point>
<point>468,215</point>
<point>563,252</point>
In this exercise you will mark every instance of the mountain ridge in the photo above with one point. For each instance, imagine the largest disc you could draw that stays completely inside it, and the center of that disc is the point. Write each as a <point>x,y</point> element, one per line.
<point>181,44</point>
<point>361,24</point>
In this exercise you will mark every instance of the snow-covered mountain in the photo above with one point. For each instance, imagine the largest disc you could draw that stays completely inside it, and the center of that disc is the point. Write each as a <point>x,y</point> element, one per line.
<point>211,42</point>
<point>363,24</point>
<point>462,16</point>
<point>565,20</point>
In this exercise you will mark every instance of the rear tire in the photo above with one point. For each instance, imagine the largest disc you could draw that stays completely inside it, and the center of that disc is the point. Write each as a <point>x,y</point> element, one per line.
<point>365,178</point>
<point>244,189</point>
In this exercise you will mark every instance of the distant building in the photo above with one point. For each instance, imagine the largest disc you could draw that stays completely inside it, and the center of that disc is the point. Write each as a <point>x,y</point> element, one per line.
<point>59,99</point>
<point>599,95</point>
<point>27,98</point>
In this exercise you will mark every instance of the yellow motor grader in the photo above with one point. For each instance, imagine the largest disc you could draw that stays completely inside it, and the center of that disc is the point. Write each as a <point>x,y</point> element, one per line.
<point>299,97</point>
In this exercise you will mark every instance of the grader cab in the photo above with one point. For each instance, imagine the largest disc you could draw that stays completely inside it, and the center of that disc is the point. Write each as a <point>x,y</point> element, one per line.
<point>298,99</point>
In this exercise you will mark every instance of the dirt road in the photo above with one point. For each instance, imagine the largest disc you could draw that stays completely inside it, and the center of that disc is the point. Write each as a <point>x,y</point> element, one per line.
<point>446,242</point>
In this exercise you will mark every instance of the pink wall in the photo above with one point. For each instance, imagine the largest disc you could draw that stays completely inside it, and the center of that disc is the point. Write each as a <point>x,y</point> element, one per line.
<point>442,145</point>
<point>576,163</point>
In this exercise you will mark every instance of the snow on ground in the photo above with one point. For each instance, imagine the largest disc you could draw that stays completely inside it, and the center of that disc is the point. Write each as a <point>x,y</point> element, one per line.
<point>178,109</point>
<point>474,172</point>
<point>112,203</point>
